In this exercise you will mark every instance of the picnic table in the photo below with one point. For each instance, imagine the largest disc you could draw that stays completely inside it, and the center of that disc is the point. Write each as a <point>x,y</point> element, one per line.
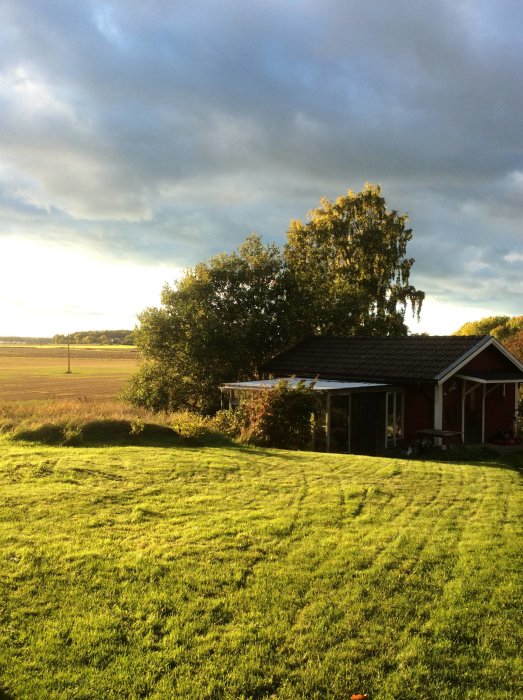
<point>446,436</point>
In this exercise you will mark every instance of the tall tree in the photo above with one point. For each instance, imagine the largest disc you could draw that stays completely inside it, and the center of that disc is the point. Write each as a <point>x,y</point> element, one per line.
<point>221,322</point>
<point>350,264</point>
<point>343,272</point>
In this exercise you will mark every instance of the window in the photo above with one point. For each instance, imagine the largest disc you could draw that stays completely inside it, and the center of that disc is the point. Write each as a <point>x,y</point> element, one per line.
<point>394,419</point>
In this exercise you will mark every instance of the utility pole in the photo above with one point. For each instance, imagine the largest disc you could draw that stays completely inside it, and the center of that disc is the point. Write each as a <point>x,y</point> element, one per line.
<point>68,355</point>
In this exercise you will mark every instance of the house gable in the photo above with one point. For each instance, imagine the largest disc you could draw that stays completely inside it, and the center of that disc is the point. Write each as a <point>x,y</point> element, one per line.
<point>489,356</point>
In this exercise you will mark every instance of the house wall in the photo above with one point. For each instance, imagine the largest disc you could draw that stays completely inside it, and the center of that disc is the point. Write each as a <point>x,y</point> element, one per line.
<point>499,411</point>
<point>367,423</point>
<point>491,359</point>
<point>452,401</point>
<point>419,409</point>
<point>499,408</point>
<point>500,401</point>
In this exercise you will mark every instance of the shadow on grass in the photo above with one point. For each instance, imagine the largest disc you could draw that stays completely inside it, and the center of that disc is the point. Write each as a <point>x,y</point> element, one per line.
<point>117,433</point>
<point>478,455</point>
<point>100,432</point>
<point>48,434</point>
<point>4,695</point>
<point>124,433</point>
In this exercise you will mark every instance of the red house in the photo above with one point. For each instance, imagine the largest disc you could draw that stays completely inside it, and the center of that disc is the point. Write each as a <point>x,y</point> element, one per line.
<point>377,393</point>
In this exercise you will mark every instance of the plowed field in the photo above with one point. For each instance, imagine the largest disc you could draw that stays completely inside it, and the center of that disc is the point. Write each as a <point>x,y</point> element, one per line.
<point>29,373</point>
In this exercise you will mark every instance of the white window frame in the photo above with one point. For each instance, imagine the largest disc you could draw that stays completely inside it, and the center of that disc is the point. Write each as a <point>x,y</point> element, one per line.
<point>398,411</point>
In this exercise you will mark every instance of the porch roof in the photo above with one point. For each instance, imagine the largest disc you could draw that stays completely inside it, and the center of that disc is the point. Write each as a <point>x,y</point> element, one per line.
<point>325,385</point>
<point>492,377</point>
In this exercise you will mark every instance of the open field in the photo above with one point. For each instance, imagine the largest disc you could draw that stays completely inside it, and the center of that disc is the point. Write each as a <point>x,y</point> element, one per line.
<point>40,372</point>
<point>131,572</point>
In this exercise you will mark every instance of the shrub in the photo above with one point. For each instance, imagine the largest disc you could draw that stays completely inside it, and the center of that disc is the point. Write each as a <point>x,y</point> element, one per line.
<point>137,426</point>
<point>190,425</point>
<point>72,434</point>
<point>228,422</point>
<point>279,417</point>
<point>150,388</point>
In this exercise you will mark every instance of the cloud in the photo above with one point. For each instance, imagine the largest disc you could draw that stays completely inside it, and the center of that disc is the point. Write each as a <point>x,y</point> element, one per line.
<point>55,273</point>
<point>169,131</point>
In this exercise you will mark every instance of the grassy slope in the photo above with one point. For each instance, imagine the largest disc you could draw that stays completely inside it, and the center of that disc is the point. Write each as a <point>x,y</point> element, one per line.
<point>208,573</point>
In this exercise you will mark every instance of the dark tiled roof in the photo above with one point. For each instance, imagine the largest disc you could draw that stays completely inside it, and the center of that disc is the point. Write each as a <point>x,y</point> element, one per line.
<point>406,359</point>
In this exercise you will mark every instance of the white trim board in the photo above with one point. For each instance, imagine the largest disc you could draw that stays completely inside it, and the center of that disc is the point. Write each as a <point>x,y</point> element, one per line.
<point>485,342</point>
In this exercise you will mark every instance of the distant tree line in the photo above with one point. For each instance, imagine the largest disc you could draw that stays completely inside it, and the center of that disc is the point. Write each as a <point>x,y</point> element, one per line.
<point>28,340</point>
<point>507,329</point>
<point>122,337</point>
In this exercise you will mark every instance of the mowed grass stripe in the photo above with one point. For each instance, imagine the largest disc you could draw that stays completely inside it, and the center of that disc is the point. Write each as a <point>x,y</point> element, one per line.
<point>206,572</point>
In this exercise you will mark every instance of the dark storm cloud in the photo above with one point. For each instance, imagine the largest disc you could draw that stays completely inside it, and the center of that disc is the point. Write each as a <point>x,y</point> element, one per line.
<point>170,130</point>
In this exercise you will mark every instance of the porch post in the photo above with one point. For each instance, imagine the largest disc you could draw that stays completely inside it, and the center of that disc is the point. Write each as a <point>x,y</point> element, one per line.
<point>516,407</point>
<point>349,418</point>
<point>463,399</point>
<point>483,401</point>
<point>438,410</point>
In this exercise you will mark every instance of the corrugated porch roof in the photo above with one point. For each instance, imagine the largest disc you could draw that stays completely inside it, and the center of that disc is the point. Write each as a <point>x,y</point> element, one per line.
<point>324,385</point>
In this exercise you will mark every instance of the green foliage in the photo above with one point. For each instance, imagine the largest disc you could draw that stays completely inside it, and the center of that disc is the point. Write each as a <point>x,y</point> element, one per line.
<point>201,429</point>
<point>490,325</point>
<point>24,340</point>
<point>279,417</point>
<point>47,434</point>
<point>155,387</point>
<point>137,427</point>
<point>228,422</point>
<point>351,265</point>
<point>191,426</point>
<point>508,330</point>
<point>514,344</point>
<point>100,432</point>
<point>224,319</point>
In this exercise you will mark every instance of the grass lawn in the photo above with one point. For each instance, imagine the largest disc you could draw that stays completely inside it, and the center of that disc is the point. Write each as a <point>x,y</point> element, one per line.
<point>199,572</point>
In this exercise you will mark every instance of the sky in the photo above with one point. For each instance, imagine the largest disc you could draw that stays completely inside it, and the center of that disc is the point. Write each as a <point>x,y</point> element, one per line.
<point>139,137</point>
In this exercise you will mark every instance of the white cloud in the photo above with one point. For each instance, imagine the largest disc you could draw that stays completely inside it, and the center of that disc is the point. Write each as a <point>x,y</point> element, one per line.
<point>514,257</point>
<point>48,289</point>
<point>30,97</point>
